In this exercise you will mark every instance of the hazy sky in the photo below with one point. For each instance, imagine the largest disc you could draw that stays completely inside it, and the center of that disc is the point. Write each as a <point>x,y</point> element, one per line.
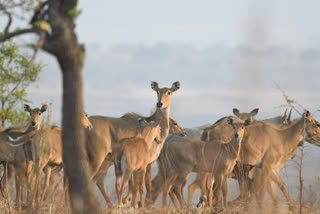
<point>287,22</point>
<point>225,53</point>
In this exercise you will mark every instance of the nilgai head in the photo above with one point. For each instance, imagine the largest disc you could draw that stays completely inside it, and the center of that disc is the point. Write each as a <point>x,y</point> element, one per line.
<point>312,129</point>
<point>150,130</point>
<point>238,128</point>
<point>164,94</point>
<point>36,114</point>
<point>175,128</point>
<point>85,121</point>
<point>245,116</point>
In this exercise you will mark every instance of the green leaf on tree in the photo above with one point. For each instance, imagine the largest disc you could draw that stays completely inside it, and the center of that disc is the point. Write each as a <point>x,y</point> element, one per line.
<point>16,74</point>
<point>74,12</point>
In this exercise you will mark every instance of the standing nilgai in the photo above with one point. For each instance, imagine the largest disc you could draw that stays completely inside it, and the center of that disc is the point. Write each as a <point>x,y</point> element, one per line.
<point>188,156</point>
<point>102,140</point>
<point>46,151</point>
<point>177,189</point>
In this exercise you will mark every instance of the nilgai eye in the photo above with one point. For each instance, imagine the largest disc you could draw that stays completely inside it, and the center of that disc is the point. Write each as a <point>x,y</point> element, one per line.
<point>39,113</point>
<point>175,124</point>
<point>169,93</point>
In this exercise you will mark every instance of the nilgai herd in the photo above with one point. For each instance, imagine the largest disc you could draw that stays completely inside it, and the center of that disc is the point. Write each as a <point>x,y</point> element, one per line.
<point>239,147</point>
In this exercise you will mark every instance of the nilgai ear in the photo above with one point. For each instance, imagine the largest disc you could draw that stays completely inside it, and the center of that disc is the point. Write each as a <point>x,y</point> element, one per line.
<point>44,108</point>
<point>26,107</point>
<point>236,112</point>
<point>230,121</point>
<point>254,112</point>
<point>155,86</point>
<point>173,121</point>
<point>175,86</point>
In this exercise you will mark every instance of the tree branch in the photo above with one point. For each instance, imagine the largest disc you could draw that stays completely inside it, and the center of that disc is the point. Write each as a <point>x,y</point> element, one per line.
<point>6,30</point>
<point>19,32</point>
<point>9,4</point>
<point>290,104</point>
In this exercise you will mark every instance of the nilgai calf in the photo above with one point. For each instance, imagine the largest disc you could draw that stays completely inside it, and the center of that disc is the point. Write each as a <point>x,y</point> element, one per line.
<point>219,132</point>
<point>174,129</point>
<point>137,154</point>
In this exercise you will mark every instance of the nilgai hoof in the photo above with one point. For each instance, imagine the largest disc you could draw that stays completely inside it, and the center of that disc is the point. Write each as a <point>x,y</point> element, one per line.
<point>201,204</point>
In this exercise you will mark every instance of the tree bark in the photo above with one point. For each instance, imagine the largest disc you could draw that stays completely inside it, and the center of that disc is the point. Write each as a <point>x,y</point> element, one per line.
<point>70,55</point>
<point>82,198</point>
<point>63,44</point>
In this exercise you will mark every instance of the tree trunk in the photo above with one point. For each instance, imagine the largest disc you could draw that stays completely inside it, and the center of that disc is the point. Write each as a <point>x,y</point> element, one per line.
<point>75,162</point>
<point>63,44</point>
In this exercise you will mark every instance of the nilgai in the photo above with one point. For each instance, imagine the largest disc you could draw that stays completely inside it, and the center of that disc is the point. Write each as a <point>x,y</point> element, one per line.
<point>46,150</point>
<point>137,153</point>
<point>221,131</point>
<point>177,191</point>
<point>269,147</point>
<point>108,131</point>
<point>14,158</point>
<point>174,130</point>
<point>14,163</point>
<point>188,156</point>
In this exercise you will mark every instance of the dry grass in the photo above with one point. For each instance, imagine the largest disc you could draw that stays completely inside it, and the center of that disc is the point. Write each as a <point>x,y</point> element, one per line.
<point>57,206</point>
